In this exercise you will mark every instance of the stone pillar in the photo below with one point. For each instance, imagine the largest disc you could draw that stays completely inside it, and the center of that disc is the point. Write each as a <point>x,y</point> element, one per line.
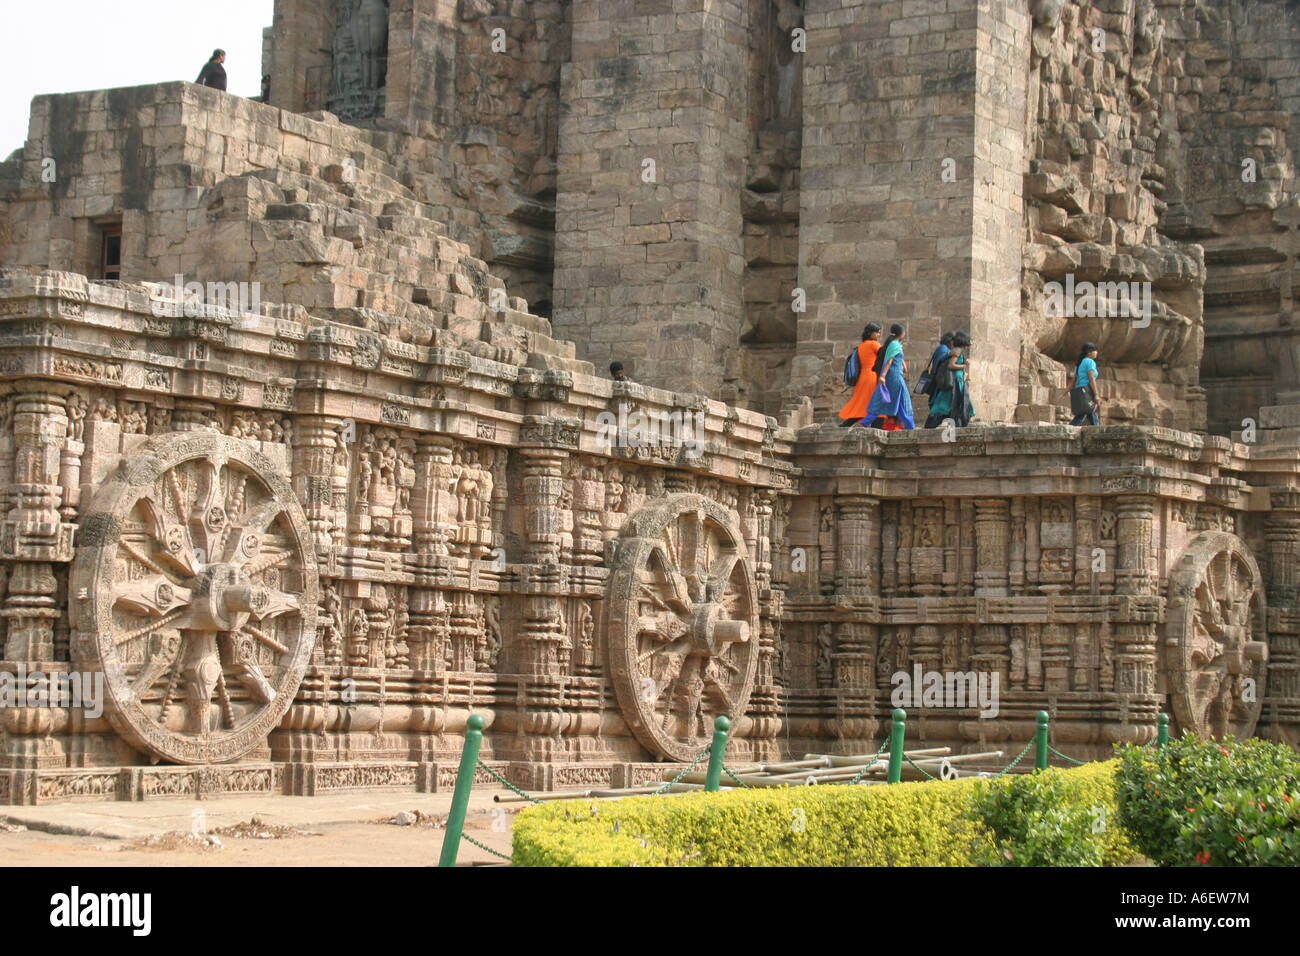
<point>1282,535</point>
<point>756,506</point>
<point>33,534</point>
<point>1282,688</point>
<point>1135,544</point>
<point>859,522</point>
<point>651,177</point>
<point>910,184</point>
<point>543,485</point>
<point>992,534</point>
<point>317,448</point>
<point>432,502</point>
<point>1135,659</point>
<point>1087,527</point>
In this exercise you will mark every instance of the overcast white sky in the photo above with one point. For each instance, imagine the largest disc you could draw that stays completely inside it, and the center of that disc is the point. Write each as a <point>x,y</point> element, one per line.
<point>58,46</point>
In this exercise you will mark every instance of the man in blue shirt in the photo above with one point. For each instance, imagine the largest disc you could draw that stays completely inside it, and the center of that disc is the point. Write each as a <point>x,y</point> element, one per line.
<point>1085,377</point>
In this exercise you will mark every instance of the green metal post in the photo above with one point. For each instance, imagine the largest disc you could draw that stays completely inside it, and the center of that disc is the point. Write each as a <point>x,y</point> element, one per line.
<point>460,799</point>
<point>713,779</point>
<point>896,746</point>
<point>1040,741</point>
<point>1162,734</point>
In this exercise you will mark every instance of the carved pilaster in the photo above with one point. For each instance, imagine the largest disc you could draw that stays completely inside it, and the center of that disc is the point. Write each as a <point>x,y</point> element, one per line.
<point>992,535</point>
<point>1054,655</point>
<point>762,500</point>
<point>543,487</point>
<point>588,508</point>
<point>858,515</point>
<point>319,447</point>
<point>33,532</point>
<point>1282,535</point>
<point>1016,575</point>
<point>854,661</point>
<point>1135,658</point>
<point>433,505</point>
<point>1087,528</point>
<point>465,631</point>
<point>1136,552</point>
<point>544,648</point>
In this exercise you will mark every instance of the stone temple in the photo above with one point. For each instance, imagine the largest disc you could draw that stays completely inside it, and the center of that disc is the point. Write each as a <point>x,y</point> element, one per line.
<point>305,429</point>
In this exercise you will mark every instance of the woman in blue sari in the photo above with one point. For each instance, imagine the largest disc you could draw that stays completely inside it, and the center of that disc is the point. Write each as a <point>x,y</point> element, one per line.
<point>954,403</point>
<point>892,398</point>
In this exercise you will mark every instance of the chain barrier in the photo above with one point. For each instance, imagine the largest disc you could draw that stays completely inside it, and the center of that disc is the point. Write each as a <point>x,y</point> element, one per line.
<point>482,846</point>
<point>727,771</point>
<point>870,763</point>
<point>1077,763</point>
<point>1150,743</point>
<point>1011,766</point>
<point>928,776</point>
<point>507,783</point>
<point>678,779</point>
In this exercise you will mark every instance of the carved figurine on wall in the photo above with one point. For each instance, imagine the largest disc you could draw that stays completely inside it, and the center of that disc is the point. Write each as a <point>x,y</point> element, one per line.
<point>103,411</point>
<point>342,457</point>
<point>365,474</point>
<point>359,648</point>
<point>405,476</point>
<point>333,625</point>
<point>491,633</point>
<point>824,655</point>
<point>467,490</point>
<point>77,405</point>
<point>160,420</point>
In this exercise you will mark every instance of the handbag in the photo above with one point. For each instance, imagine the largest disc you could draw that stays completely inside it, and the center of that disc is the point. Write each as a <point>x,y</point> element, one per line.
<point>1081,400</point>
<point>943,380</point>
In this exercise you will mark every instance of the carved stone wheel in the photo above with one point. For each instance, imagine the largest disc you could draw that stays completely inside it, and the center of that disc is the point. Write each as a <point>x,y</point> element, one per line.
<point>683,623</point>
<point>195,591</point>
<point>1215,637</point>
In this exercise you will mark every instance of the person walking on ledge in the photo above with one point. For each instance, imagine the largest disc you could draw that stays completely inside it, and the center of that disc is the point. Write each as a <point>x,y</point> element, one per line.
<point>856,406</point>
<point>1084,401</point>
<point>892,398</point>
<point>213,73</point>
<point>953,402</point>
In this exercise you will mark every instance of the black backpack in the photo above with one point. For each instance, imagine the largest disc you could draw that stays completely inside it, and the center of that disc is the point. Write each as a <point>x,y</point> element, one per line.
<point>942,379</point>
<point>852,368</point>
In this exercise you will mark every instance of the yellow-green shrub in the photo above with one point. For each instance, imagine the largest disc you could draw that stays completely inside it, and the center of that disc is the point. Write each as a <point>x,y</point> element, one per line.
<point>907,824</point>
<point>1053,818</point>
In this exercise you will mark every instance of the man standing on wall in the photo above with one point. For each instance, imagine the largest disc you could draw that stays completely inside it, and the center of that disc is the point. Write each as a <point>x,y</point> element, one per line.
<point>213,73</point>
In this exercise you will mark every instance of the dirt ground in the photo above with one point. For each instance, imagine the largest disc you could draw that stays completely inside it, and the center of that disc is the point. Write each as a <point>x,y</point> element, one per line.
<point>258,838</point>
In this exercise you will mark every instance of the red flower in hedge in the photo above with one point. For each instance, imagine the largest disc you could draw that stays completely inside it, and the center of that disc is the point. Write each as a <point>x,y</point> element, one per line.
<point>1203,856</point>
<point>1240,838</point>
<point>1223,751</point>
<point>1286,797</point>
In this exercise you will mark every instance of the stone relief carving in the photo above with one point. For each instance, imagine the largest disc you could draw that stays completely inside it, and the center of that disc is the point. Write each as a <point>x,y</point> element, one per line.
<point>682,622</point>
<point>213,611</point>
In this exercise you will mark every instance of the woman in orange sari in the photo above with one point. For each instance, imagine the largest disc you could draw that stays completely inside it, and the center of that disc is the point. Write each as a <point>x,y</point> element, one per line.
<point>852,413</point>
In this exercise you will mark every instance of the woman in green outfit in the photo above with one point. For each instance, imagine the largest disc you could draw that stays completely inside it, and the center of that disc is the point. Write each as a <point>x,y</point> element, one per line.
<point>955,402</point>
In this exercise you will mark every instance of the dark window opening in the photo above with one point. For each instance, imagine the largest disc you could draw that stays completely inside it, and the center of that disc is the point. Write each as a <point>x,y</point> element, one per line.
<point>110,258</point>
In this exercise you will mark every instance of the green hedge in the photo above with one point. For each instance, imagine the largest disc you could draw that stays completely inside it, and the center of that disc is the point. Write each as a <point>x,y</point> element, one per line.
<point>1216,803</point>
<point>905,824</point>
<point>1053,818</point>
